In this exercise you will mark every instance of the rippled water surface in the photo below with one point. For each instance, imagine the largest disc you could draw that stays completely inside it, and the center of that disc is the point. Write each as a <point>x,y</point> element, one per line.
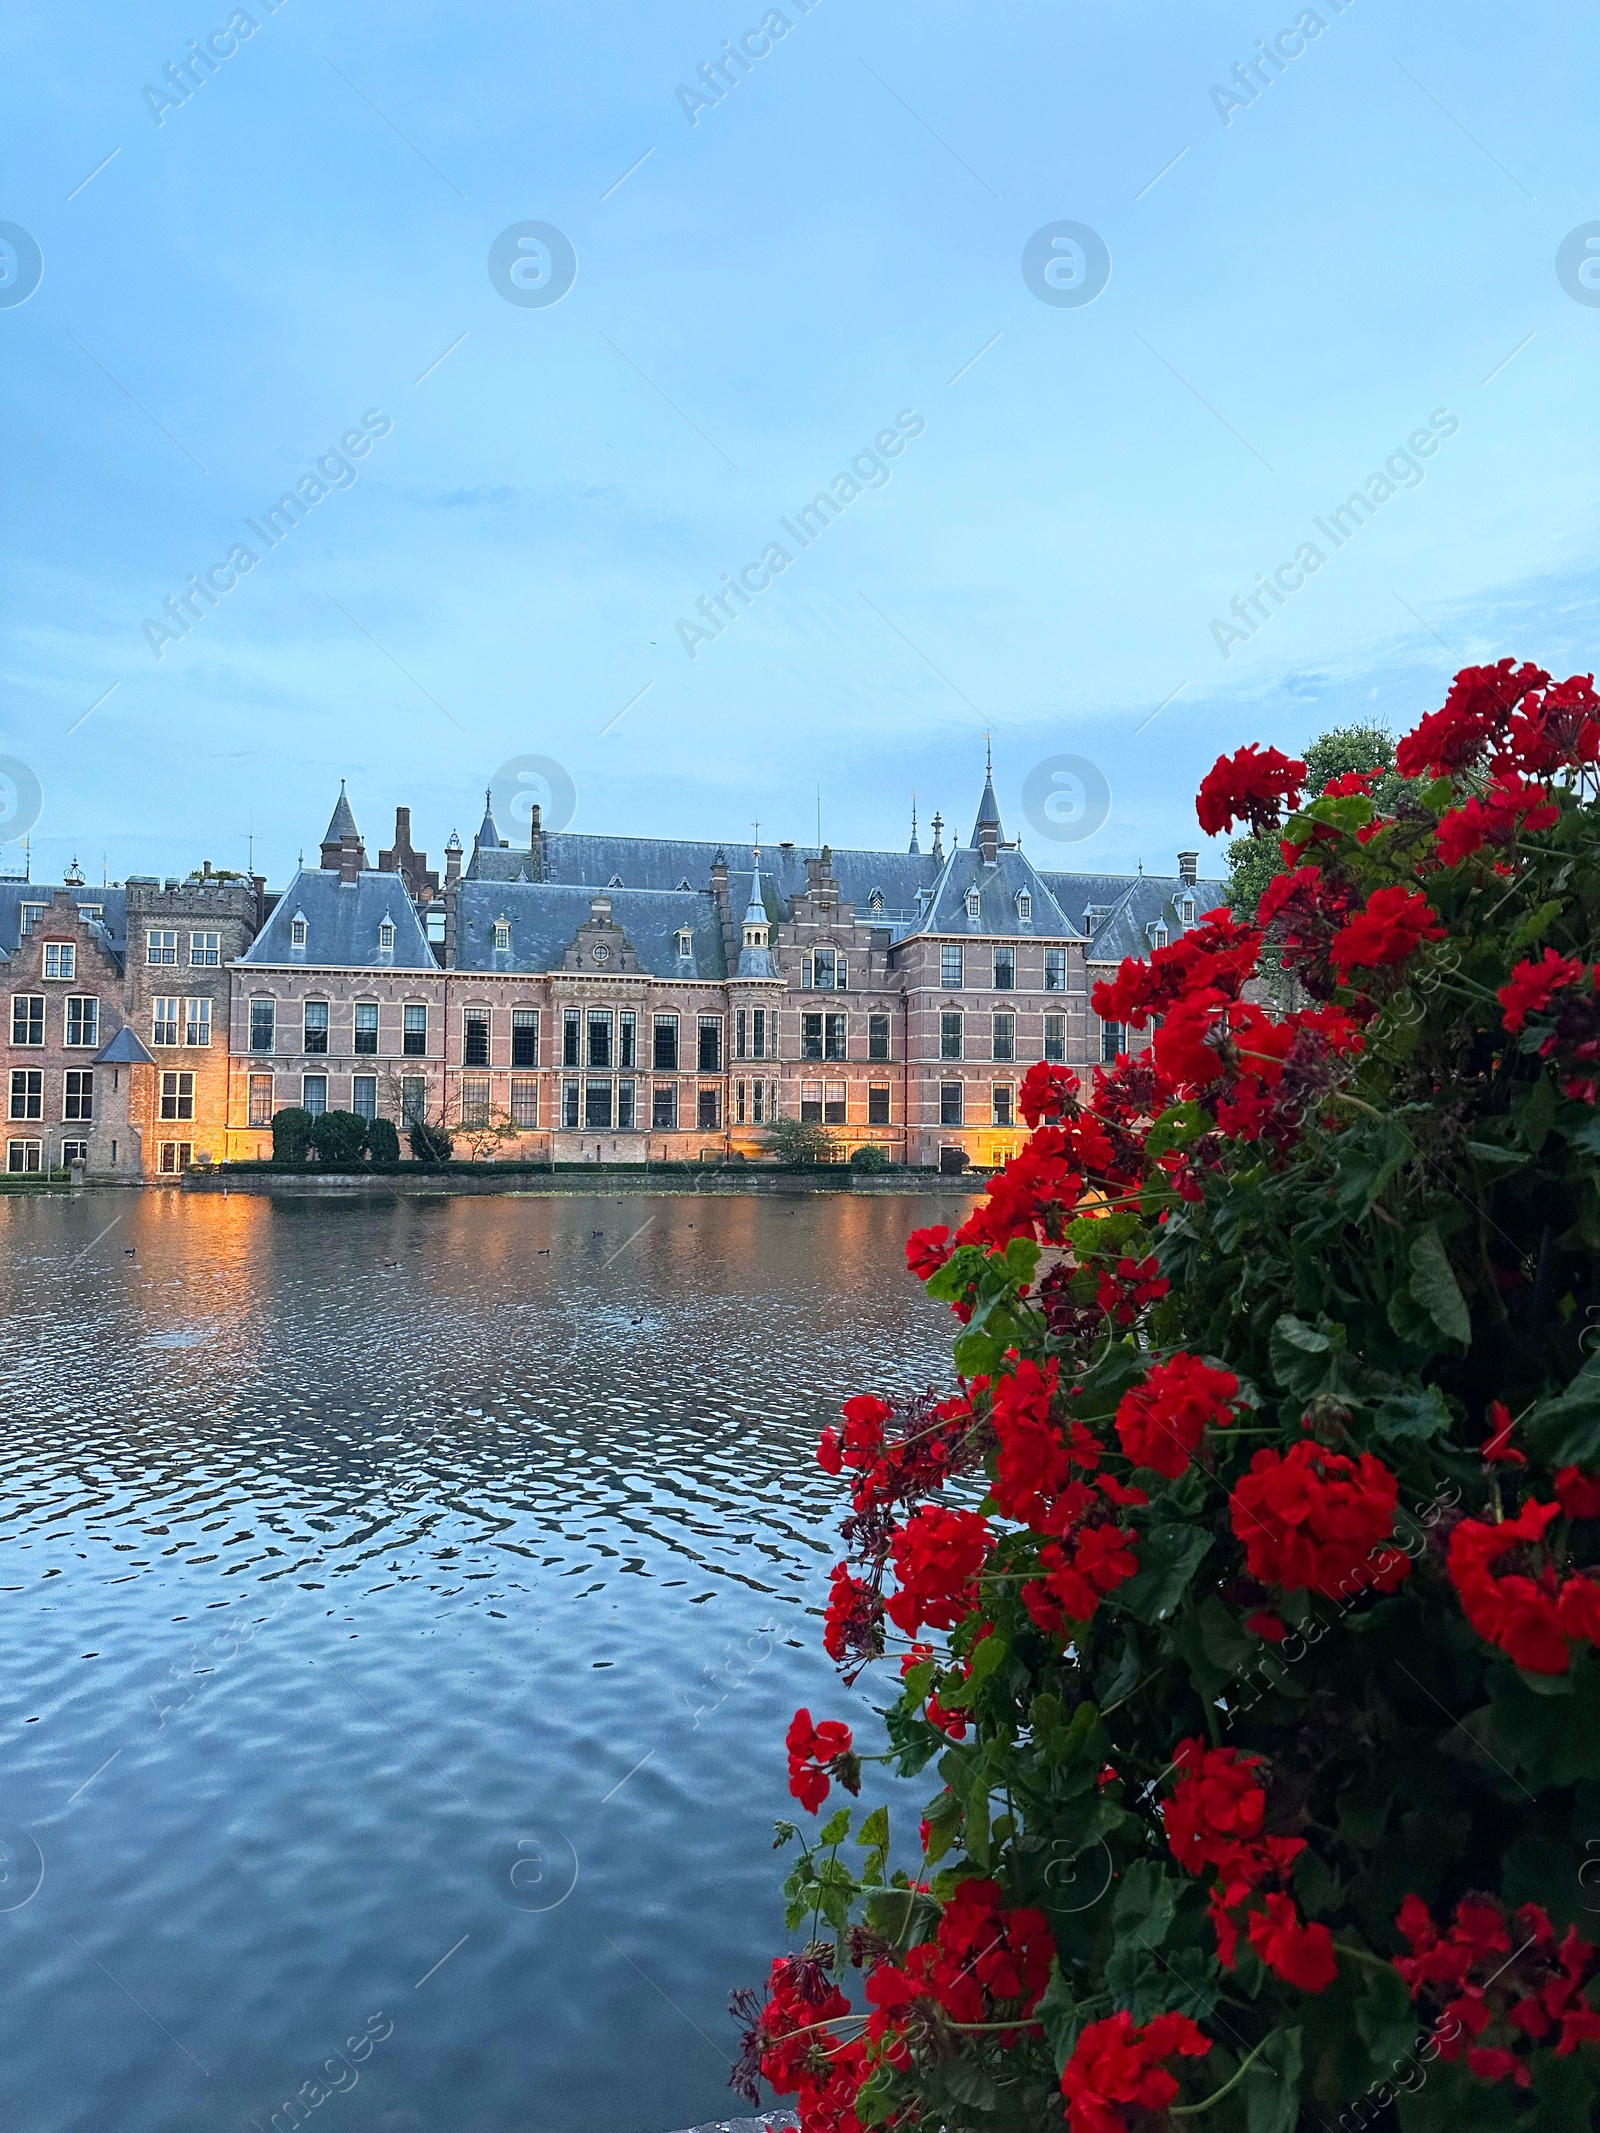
<point>403,1602</point>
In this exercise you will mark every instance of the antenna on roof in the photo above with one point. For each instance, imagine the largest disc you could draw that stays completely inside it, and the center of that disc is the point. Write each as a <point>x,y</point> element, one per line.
<point>819,814</point>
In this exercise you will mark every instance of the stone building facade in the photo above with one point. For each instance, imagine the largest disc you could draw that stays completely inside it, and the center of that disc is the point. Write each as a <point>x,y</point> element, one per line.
<point>631,999</point>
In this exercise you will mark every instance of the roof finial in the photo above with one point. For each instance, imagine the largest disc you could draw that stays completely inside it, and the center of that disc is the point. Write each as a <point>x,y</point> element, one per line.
<point>914,846</point>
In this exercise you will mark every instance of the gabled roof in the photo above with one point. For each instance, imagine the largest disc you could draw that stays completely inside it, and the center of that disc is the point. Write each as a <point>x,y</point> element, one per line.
<point>545,917</point>
<point>1130,904</point>
<point>342,921</point>
<point>126,1048</point>
<point>998,888</point>
<point>113,903</point>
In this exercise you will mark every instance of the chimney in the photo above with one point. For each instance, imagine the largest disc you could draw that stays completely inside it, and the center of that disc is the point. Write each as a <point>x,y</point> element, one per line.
<point>988,842</point>
<point>349,865</point>
<point>600,910</point>
<point>1189,867</point>
<point>452,860</point>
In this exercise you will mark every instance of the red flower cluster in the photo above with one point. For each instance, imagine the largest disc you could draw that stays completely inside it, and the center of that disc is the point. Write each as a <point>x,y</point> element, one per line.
<point>1218,955</point>
<point>983,1959</point>
<point>1512,1592</point>
<point>1216,1817</point>
<point>1312,1520</point>
<point>800,2057</point>
<point>1079,1571</point>
<point>853,1625</point>
<point>1477,710</point>
<point>1033,1196</point>
<point>1499,1995</point>
<point>1163,1421</point>
<point>938,1555</point>
<point>1248,786</point>
<point>814,1753</point>
<point>1552,986</point>
<point>1124,1290</point>
<point>1533,986</point>
<point>1510,805</point>
<point>927,1250</point>
<point>930,1441</point>
<point>1036,1455</point>
<point>1116,2075</point>
<point>1393,926</point>
<point>1048,1091</point>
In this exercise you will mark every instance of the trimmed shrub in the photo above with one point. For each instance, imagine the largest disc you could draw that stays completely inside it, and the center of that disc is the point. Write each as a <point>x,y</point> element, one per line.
<point>383,1142</point>
<point>430,1144</point>
<point>869,1156</point>
<point>291,1136</point>
<point>339,1139</point>
<point>794,1140</point>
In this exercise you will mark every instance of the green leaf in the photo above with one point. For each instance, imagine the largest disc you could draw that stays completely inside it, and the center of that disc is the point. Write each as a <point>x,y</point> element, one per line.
<point>875,1829</point>
<point>1169,1556</point>
<point>1565,1431</point>
<point>1386,2018</point>
<point>1534,926</point>
<point>1434,1287</point>
<point>1587,1134</point>
<point>1411,1417</point>
<point>1536,1112</point>
<point>1059,2017</point>
<point>1566,2091</point>
<point>1146,1903</point>
<point>836,1828</point>
<point>1272,2086</point>
<point>1303,1356</point>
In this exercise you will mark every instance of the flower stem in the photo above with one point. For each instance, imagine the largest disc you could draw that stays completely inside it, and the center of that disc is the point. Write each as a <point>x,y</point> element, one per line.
<point>1193,2110</point>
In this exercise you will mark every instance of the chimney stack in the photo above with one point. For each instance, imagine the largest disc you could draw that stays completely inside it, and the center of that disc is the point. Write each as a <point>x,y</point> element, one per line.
<point>1189,867</point>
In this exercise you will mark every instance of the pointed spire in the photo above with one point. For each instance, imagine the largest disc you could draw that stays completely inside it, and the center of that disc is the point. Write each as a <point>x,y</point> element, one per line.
<point>938,836</point>
<point>914,846</point>
<point>988,806</point>
<point>342,849</point>
<point>342,822</point>
<point>488,837</point>
<point>755,955</point>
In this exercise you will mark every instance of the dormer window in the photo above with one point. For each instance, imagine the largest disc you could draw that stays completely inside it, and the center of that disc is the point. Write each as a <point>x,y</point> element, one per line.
<point>1186,910</point>
<point>502,935</point>
<point>386,937</point>
<point>298,930</point>
<point>615,882</point>
<point>1024,907</point>
<point>974,904</point>
<point>1158,934</point>
<point>685,942</point>
<point>685,885</point>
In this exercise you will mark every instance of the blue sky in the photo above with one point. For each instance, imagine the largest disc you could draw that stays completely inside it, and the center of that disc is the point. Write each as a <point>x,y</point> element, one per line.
<point>836,244</point>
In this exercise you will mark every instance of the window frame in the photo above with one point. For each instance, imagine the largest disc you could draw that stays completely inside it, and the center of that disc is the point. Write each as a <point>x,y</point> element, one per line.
<point>263,1014</point>
<point>166,1021</point>
<point>952,1033</point>
<point>81,1001</point>
<point>952,1113</point>
<point>27,1088</point>
<point>209,956</point>
<point>166,936</point>
<point>310,1029</point>
<point>29,1000</point>
<point>1003,1035</point>
<point>664,1043</point>
<point>73,1100</point>
<point>952,966</point>
<point>253,1106</point>
<point>477,1036</point>
<point>173,1092</point>
<point>65,956</point>
<point>414,1034</point>
<point>524,1036</point>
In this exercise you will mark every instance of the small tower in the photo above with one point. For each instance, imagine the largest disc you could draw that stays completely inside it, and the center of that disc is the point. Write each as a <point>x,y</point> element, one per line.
<point>452,860</point>
<point>343,852</point>
<point>488,838</point>
<point>986,830</point>
<point>755,956</point>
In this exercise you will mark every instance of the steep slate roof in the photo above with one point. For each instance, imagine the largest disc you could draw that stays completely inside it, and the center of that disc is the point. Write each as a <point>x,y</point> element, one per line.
<point>342,822</point>
<point>998,887</point>
<point>126,1048</point>
<point>1136,902</point>
<point>14,894</point>
<point>545,916</point>
<point>342,921</point>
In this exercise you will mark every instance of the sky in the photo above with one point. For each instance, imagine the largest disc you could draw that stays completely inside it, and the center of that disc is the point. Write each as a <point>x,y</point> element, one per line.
<point>563,439</point>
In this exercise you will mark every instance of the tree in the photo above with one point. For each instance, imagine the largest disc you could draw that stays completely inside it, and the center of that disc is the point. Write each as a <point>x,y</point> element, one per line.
<point>1253,860</point>
<point>485,1142</point>
<point>1244,1596</point>
<point>291,1136</point>
<point>339,1139</point>
<point>383,1142</point>
<point>430,1143</point>
<point>795,1140</point>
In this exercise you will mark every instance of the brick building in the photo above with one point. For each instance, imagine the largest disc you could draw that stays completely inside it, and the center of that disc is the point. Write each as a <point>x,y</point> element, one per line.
<point>628,998</point>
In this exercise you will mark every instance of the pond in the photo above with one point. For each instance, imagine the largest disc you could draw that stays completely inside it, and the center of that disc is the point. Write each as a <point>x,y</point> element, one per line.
<point>403,1604</point>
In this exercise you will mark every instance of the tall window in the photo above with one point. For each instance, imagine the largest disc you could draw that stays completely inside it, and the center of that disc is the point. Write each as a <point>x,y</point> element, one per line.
<point>950,1103</point>
<point>1024,907</point>
<point>414,1033</point>
<point>571,1037</point>
<point>950,1034</point>
<point>600,1021</point>
<point>950,966</point>
<point>627,1105</point>
<point>877,1036</point>
<point>740,1042</point>
<point>664,1106</point>
<point>828,969</point>
<point>1055,1036</point>
<point>1005,1036</point>
<point>502,935</point>
<point>174,1156</point>
<point>524,1036</point>
<point>177,1095</point>
<point>475,1042</point>
<point>27,1092</point>
<point>1055,970</point>
<point>161,947</point>
<point>686,944</point>
<point>1002,1105</point>
<point>1005,969</point>
<point>386,937</point>
<point>23,1155</point>
<point>28,917</point>
<point>475,1099</point>
<point>597,1106</point>
<point>709,1113</point>
<point>664,1054</point>
<point>833,1104</point>
<point>197,1022</point>
<point>974,904</point>
<point>1186,910</point>
<point>878,1104</point>
<point>366,1026</point>
<point>205,950</point>
<point>27,1018</point>
<point>364,1095</point>
<point>1157,932</point>
<point>811,1103</point>
<point>833,1040</point>
<point>413,1099</point>
<point>60,959</point>
<point>1113,1040</point>
<point>758,1033</point>
<point>297,932</point>
<point>313,1094</point>
<point>263,1025</point>
<point>316,1026</point>
<point>524,1102</point>
<point>627,1037</point>
<point>710,1054</point>
<point>166,1022</point>
<point>810,1036</point>
<point>261,1099</point>
<point>83,1021</point>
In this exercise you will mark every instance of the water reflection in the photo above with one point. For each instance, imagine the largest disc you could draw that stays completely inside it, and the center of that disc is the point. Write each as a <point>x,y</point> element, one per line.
<point>404,1602</point>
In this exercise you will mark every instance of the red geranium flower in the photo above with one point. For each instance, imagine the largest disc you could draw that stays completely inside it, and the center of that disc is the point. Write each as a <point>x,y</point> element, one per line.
<point>1162,1422</point>
<point>1312,1520</point>
<point>937,1555</point>
<point>814,1752</point>
<point>1393,926</point>
<point>1248,786</point>
<point>1534,985</point>
<point>1115,2070</point>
